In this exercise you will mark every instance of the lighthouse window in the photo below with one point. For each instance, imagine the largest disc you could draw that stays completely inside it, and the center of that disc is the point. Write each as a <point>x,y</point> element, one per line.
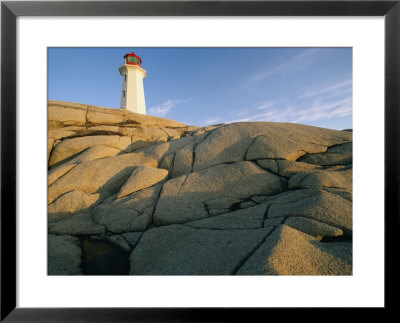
<point>133,60</point>
<point>123,94</point>
<point>125,78</point>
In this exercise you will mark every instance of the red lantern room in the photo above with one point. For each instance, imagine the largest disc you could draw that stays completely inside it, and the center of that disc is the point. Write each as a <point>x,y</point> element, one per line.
<point>133,59</point>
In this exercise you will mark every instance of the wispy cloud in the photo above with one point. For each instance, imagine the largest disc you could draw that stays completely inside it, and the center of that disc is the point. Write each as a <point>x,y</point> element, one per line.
<point>317,111</point>
<point>265,105</point>
<point>241,112</point>
<point>336,88</point>
<point>299,61</point>
<point>212,121</point>
<point>163,108</point>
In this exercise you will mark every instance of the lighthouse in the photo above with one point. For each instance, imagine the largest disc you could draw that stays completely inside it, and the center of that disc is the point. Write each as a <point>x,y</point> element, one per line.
<point>132,96</point>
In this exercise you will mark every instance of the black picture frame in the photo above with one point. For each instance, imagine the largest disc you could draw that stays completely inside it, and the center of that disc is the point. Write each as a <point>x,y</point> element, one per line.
<point>10,10</point>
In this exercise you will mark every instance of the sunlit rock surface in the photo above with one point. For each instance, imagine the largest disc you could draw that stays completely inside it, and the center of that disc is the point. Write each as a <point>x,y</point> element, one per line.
<point>141,195</point>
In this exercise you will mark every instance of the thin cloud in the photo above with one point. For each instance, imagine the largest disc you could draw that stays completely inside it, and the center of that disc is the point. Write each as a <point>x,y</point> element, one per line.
<point>318,111</point>
<point>242,112</point>
<point>265,106</point>
<point>246,114</point>
<point>342,92</point>
<point>298,61</point>
<point>212,121</point>
<point>163,108</point>
<point>338,108</point>
<point>341,87</point>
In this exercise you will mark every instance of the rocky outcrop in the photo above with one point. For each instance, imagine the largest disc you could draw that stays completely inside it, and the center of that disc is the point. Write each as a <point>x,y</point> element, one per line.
<point>291,252</point>
<point>142,177</point>
<point>64,255</point>
<point>181,250</point>
<point>213,191</point>
<point>159,197</point>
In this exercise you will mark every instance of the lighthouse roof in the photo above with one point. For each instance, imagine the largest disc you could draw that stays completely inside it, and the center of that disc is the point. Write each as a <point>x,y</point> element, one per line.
<point>132,59</point>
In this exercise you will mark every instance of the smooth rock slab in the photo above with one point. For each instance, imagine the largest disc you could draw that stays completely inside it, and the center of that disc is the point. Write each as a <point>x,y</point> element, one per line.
<point>290,252</point>
<point>139,144</point>
<point>259,198</point>
<point>291,196</point>
<point>225,144</point>
<point>250,218</point>
<point>337,155</point>
<point>264,140</point>
<point>64,255</point>
<point>62,114</point>
<point>159,151</point>
<point>95,152</point>
<point>289,168</point>
<point>321,206</point>
<point>150,134</point>
<point>312,227</point>
<point>60,134</point>
<point>71,203</point>
<point>65,114</point>
<point>247,204</point>
<point>106,174</point>
<point>50,143</point>
<point>341,179</point>
<point>167,162</point>
<point>268,164</point>
<point>70,147</point>
<point>123,220</point>
<point>345,194</point>
<point>55,173</point>
<point>81,223</point>
<point>132,237</point>
<point>114,129</point>
<point>183,161</point>
<point>288,147</point>
<point>130,213</point>
<point>274,221</point>
<point>106,116</point>
<point>142,177</point>
<point>180,250</point>
<point>185,198</point>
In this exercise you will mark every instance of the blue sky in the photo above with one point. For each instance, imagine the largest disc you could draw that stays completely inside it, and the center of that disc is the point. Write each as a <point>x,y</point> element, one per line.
<point>203,86</point>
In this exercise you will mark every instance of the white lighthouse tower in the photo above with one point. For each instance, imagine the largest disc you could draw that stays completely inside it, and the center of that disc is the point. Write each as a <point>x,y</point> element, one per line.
<point>132,96</point>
